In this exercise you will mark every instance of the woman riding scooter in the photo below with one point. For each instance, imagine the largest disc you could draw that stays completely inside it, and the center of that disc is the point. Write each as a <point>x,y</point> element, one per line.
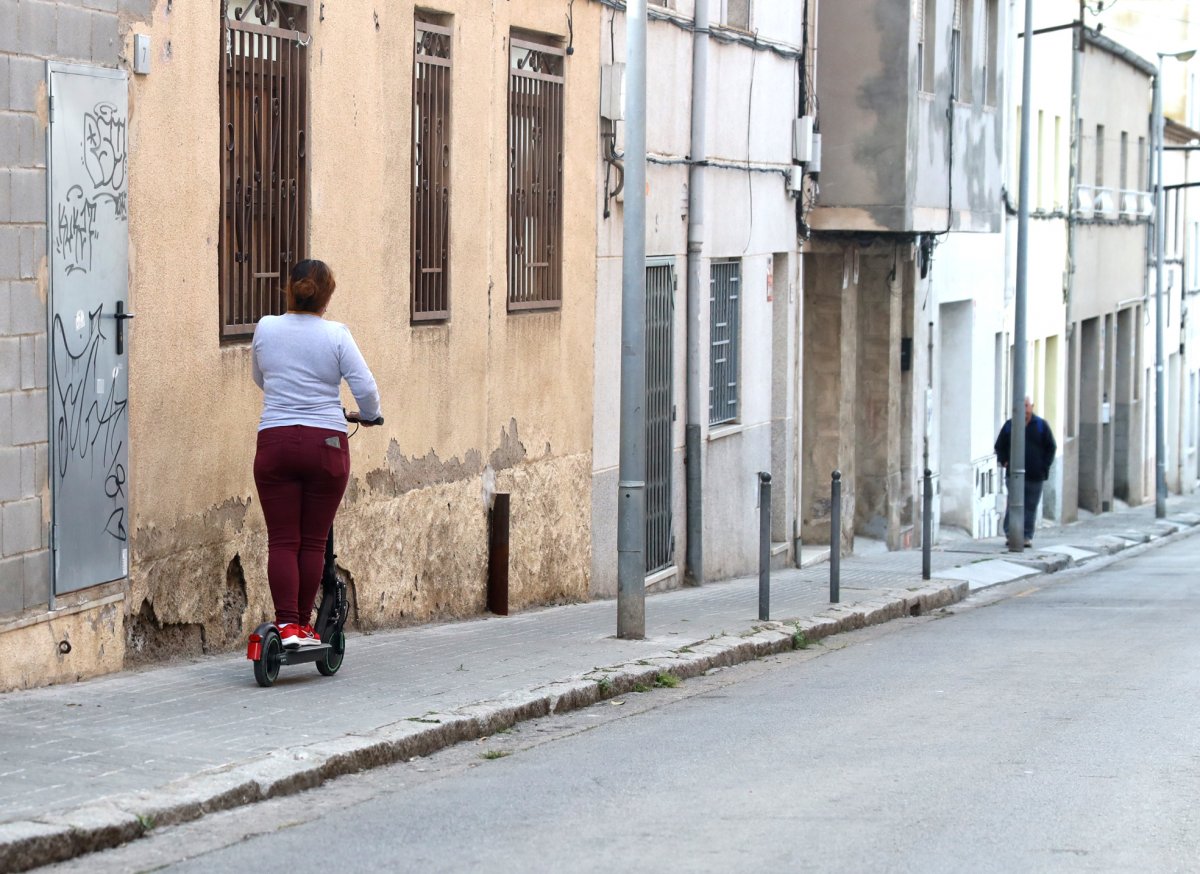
<point>302,462</point>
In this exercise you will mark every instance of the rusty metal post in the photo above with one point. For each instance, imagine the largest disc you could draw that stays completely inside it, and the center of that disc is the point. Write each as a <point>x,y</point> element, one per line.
<point>764,545</point>
<point>927,525</point>
<point>835,538</point>
<point>497,591</point>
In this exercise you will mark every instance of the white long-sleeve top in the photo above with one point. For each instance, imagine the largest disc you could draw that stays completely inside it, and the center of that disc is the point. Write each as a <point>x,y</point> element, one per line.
<point>299,362</point>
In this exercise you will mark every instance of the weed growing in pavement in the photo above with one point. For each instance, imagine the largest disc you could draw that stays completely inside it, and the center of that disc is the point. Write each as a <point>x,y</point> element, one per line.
<point>494,754</point>
<point>666,680</point>
<point>145,822</point>
<point>423,719</point>
<point>684,649</point>
<point>640,687</point>
<point>641,662</point>
<point>799,640</point>
<point>606,686</point>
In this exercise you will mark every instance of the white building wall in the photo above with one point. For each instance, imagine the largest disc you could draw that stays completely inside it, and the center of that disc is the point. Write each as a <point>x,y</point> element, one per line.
<point>749,217</point>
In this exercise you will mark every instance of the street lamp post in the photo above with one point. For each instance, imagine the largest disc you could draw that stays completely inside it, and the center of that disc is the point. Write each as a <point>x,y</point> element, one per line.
<point>1160,235</point>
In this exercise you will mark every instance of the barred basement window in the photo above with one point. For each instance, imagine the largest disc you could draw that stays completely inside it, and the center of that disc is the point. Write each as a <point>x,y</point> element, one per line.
<point>431,174</point>
<point>724,342</point>
<point>535,175</point>
<point>264,123</point>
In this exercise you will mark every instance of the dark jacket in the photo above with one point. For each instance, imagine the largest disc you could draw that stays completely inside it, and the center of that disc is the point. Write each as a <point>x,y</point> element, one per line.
<point>1039,447</point>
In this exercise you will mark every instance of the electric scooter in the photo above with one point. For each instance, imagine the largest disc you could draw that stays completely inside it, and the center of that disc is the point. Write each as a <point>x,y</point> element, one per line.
<point>266,649</point>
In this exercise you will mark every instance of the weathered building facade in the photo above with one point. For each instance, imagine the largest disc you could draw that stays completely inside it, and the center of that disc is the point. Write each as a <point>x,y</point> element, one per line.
<point>441,159</point>
<point>722,283</point>
<point>903,273</point>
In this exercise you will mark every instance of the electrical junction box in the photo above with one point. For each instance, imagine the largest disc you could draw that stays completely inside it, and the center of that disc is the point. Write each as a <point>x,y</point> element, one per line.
<point>795,179</point>
<point>802,139</point>
<point>141,53</point>
<point>612,92</point>
<point>814,164</point>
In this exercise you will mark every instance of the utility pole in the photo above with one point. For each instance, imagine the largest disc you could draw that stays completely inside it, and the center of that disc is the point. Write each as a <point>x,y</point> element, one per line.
<point>631,490</point>
<point>1160,376</point>
<point>1160,236</point>
<point>1016,455</point>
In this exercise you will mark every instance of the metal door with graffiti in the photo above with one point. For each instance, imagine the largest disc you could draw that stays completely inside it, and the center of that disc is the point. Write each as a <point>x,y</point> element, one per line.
<point>89,277</point>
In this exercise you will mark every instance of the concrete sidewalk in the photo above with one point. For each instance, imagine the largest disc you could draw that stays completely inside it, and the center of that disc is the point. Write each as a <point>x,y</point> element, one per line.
<point>94,764</point>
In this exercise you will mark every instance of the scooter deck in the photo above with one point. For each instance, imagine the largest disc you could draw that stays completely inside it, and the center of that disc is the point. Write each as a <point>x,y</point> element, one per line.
<point>303,654</point>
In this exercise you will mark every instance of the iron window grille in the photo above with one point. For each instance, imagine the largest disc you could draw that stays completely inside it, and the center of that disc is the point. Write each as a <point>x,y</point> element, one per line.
<point>430,227</point>
<point>264,123</point>
<point>660,414</point>
<point>724,341</point>
<point>535,174</point>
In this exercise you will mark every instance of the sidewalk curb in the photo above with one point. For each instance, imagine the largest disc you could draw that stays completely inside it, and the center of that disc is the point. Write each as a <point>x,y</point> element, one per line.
<point>25,844</point>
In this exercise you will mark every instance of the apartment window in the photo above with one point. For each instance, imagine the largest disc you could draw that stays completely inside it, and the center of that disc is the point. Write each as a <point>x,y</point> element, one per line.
<point>966,44</point>
<point>1192,256</point>
<point>1123,170</point>
<point>430,226</point>
<point>991,41</point>
<point>1060,160</point>
<point>956,70</point>
<point>535,175</point>
<point>1099,156</point>
<point>737,14</point>
<point>927,23</point>
<point>724,341</point>
<point>1040,170</point>
<point>1142,169</point>
<point>264,187</point>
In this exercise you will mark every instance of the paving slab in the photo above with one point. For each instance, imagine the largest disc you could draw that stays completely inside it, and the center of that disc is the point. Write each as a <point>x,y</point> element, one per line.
<point>989,572</point>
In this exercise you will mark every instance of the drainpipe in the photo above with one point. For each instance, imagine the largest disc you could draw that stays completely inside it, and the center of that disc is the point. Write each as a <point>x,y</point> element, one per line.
<point>1073,171</point>
<point>694,570</point>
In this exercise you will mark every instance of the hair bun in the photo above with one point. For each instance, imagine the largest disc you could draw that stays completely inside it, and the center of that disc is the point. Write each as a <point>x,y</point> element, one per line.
<point>304,289</point>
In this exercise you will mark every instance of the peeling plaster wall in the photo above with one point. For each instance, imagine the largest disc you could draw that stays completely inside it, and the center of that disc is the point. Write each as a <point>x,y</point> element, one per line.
<point>412,533</point>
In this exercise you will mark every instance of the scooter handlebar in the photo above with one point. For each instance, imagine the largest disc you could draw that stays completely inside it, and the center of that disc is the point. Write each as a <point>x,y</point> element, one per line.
<point>355,416</point>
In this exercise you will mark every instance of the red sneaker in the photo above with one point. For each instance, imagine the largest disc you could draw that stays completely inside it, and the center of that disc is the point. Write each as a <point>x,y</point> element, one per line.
<point>308,636</point>
<point>291,634</point>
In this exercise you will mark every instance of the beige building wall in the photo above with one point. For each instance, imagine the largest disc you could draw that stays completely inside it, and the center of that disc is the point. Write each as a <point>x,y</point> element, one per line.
<point>487,401</point>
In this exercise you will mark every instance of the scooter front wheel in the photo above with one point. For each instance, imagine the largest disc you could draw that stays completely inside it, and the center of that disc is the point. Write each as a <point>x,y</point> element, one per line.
<point>266,666</point>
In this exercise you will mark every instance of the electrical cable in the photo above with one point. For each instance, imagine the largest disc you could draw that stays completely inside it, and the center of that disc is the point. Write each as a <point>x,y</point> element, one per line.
<point>716,32</point>
<point>749,127</point>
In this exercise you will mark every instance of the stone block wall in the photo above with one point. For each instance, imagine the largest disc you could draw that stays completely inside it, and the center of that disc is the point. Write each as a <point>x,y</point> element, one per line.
<point>31,33</point>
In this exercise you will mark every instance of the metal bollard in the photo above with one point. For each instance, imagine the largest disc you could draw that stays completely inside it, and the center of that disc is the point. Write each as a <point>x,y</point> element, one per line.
<point>835,539</point>
<point>927,524</point>
<point>764,545</point>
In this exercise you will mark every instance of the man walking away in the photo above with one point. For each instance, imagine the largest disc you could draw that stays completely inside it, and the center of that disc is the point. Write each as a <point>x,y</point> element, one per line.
<point>1039,455</point>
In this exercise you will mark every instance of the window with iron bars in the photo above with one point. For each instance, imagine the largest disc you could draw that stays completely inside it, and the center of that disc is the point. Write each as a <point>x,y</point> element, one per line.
<point>535,175</point>
<point>264,125</point>
<point>430,228</point>
<point>724,341</point>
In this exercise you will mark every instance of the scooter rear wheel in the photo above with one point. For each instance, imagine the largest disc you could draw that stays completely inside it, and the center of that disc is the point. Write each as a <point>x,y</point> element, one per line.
<point>328,666</point>
<point>266,666</point>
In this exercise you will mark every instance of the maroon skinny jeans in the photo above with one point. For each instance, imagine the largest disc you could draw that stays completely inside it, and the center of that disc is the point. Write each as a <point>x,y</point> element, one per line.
<point>301,474</point>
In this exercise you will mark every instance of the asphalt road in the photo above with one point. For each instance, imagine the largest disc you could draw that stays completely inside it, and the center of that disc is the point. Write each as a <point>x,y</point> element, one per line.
<point>1046,726</point>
